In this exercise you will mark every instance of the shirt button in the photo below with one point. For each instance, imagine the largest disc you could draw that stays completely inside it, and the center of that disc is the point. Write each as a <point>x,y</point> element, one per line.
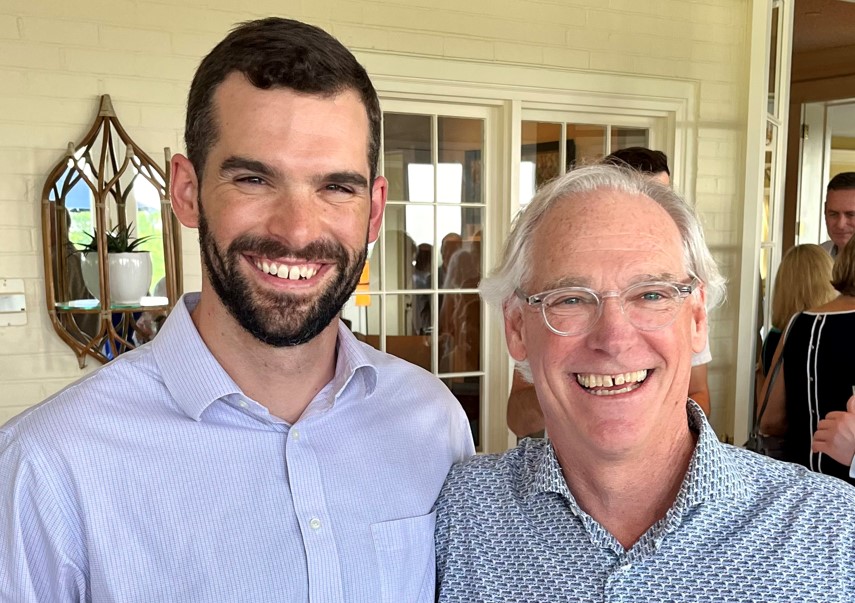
<point>243,404</point>
<point>314,523</point>
<point>626,567</point>
<point>295,435</point>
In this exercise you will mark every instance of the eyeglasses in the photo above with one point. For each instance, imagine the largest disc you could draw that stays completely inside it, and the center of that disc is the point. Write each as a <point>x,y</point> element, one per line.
<point>575,310</point>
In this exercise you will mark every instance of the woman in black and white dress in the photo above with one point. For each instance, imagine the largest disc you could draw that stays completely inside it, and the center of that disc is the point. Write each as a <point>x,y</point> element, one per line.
<point>813,405</point>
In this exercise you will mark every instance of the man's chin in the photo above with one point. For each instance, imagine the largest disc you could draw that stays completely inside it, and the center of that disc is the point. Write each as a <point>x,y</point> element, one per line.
<point>841,242</point>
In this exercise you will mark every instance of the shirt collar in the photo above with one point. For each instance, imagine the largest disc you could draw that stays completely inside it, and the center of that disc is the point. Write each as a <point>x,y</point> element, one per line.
<point>712,473</point>
<point>353,365</point>
<point>190,372</point>
<point>196,380</point>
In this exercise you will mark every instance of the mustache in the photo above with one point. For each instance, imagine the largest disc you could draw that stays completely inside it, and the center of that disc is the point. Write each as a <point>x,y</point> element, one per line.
<point>316,251</point>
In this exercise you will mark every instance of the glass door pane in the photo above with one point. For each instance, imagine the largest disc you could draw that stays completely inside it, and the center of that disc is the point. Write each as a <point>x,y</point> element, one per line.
<point>429,252</point>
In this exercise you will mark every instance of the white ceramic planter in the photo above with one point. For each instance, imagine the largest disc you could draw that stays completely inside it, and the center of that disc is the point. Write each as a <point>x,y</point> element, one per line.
<point>130,275</point>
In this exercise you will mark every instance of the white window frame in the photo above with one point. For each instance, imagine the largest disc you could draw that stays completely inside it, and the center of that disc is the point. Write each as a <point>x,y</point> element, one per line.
<point>515,91</point>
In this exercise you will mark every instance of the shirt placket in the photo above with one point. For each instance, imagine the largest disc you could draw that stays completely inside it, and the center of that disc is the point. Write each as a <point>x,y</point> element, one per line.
<point>310,506</point>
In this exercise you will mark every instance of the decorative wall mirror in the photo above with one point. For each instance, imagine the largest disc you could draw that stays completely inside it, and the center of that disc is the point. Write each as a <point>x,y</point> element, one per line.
<point>111,242</point>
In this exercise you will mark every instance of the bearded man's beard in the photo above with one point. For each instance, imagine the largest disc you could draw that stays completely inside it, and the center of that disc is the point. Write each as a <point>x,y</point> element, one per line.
<point>276,318</point>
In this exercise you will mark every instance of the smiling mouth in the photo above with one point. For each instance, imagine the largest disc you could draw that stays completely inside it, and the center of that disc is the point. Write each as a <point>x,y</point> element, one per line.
<point>286,271</point>
<point>611,385</point>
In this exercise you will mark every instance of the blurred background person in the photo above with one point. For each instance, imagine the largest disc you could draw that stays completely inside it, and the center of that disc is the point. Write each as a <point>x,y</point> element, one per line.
<point>803,281</point>
<point>421,280</point>
<point>817,381</point>
<point>839,212</point>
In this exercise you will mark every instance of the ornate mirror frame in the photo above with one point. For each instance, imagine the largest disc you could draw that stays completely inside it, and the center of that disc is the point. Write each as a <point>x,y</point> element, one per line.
<point>111,174</point>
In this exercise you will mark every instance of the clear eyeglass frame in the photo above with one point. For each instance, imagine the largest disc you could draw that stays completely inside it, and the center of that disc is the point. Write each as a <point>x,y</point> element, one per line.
<point>658,314</point>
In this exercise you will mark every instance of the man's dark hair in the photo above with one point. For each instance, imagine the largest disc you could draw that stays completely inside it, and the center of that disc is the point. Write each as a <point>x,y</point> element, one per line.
<point>277,53</point>
<point>842,182</point>
<point>641,159</point>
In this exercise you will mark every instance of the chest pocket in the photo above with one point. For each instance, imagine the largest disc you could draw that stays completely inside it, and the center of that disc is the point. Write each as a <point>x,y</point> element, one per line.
<point>405,554</point>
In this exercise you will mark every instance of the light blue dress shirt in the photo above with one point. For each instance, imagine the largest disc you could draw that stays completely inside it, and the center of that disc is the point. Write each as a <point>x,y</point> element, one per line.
<point>744,528</point>
<point>156,479</point>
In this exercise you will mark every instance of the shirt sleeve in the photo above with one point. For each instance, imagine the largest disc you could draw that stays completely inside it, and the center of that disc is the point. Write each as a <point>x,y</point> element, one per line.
<point>40,560</point>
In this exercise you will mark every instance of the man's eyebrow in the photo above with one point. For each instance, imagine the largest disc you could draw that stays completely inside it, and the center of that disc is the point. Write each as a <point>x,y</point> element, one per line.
<point>354,179</point>
<point>235,163</point>
<point>568,281</point>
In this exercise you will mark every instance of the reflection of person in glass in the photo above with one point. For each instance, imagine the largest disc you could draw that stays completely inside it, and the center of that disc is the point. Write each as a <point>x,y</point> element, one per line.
<point>421,280</point>
<point>460,314</point>
<point>450,245</point>
<point>254,450</point>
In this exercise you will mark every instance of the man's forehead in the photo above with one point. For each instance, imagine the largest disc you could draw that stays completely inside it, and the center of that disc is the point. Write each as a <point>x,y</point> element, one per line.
<point>582,235</point>
<point>841,200</point>
<point>608,215</point>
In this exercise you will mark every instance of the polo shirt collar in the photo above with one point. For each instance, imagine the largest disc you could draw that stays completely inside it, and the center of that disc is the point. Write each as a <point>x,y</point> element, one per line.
<point>712,473</point>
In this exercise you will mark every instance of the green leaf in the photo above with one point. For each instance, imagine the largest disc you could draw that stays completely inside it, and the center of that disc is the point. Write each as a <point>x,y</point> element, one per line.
<point>118,240</point>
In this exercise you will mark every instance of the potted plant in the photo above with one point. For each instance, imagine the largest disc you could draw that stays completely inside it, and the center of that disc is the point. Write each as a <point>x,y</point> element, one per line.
<point>130,267</point>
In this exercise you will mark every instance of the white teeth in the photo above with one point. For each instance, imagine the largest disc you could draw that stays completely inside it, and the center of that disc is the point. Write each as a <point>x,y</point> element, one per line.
<point>286,272</point>
<point>594,380</point>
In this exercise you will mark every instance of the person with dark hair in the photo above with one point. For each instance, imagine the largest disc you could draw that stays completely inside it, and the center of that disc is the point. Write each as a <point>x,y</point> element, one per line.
<point>813,406</point>
<point>524,415</point>
<point>839,212</point>
<point>644,160</point>
<point>254,450</point>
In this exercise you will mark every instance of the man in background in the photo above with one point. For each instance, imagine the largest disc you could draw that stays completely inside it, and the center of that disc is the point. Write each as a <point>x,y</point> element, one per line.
<point>524,415</point>
<point>839,211</point>
<point>254,450</point>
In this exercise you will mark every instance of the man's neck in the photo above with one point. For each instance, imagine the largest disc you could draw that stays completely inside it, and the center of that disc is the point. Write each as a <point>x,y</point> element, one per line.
<point>284,379</point>
<point>628,496</point>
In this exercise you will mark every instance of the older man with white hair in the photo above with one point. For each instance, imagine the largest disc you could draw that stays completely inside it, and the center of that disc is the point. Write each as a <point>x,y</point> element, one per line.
<point>604,286</point>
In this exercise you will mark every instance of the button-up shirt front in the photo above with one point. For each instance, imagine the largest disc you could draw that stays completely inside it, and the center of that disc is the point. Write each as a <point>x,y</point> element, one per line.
<point>744,528</point>
<point>156,479</point>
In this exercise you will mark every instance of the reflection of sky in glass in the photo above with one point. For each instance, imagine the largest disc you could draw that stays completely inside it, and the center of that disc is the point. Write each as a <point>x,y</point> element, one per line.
<point>420,190</point>
<point>145,194</point>
<point>78,198</point>
<point>449,180</point>
<point>527,184</point>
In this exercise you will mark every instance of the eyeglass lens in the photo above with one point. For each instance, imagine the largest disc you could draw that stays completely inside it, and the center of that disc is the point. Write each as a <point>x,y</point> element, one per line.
<point>647,306</point>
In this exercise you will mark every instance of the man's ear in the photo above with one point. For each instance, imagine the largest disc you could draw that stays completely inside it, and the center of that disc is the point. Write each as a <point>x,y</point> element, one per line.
<point>379,190</point>
<point>184,188</point>
<point>514,330</point>
<point>700,327</point>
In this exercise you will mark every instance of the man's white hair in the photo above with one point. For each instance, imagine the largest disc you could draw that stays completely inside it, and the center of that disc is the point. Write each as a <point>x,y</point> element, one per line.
<point>516,263</point>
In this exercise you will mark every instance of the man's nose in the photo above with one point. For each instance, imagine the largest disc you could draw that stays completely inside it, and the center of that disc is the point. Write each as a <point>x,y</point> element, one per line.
<point>612,332</point>
<point>293,218</point>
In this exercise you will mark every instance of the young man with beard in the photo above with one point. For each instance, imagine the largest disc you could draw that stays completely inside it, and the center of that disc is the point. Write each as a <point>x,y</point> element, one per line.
<point>254,451</point>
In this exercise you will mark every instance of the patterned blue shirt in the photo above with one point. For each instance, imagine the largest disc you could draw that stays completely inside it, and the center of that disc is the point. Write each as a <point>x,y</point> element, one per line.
<point>156,479</point>
<point>744,528</point>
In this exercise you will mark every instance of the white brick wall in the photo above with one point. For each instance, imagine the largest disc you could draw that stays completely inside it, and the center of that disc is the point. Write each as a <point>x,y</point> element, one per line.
<point>56,58</point>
